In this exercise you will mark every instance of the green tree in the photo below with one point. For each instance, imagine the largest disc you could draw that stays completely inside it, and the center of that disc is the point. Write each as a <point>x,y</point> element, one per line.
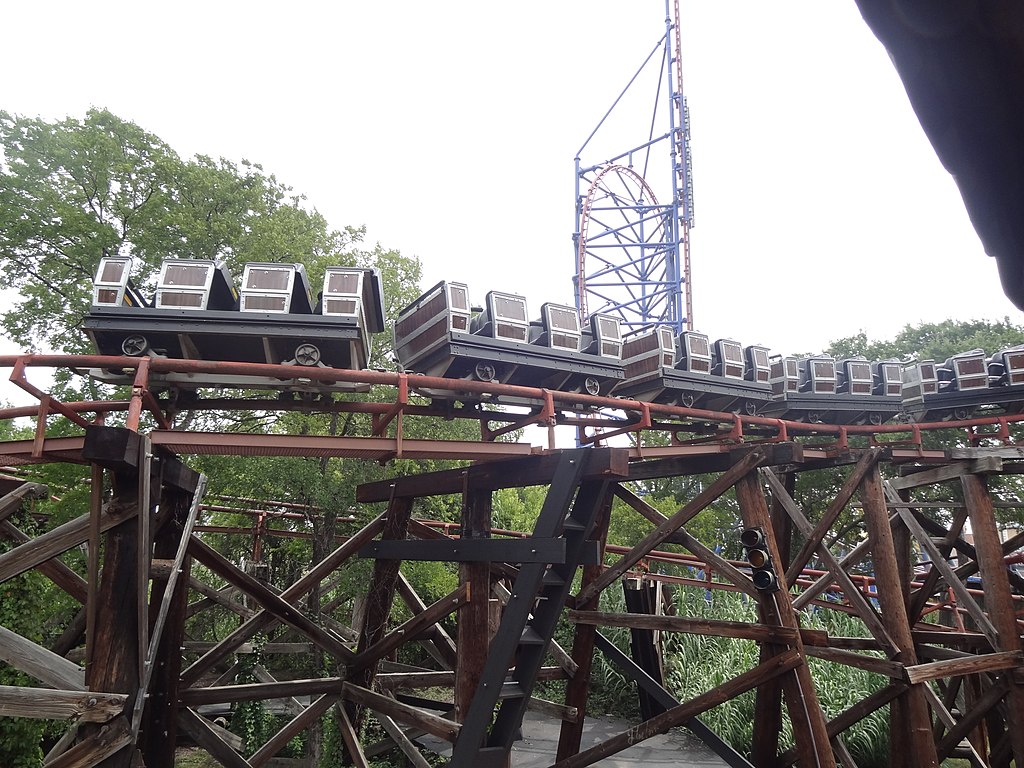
<point>75,190</point>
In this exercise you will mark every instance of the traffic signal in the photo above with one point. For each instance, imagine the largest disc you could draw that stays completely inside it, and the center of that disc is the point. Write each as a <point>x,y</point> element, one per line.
<point>755,550</point>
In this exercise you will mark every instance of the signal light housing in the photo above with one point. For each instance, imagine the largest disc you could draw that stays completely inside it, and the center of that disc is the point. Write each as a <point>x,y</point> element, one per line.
<point>755,551</point>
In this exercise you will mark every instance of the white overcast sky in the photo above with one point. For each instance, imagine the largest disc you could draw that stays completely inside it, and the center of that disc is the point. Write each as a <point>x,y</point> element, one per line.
<point>449,130</point>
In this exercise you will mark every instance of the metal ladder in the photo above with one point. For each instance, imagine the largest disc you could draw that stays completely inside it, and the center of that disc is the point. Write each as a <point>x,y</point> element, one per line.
<point>528,623</point>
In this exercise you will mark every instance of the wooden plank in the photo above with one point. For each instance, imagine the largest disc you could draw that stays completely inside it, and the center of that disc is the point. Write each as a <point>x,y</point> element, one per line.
<point>491,475</point>
<point>351,739</point>
<point>45,666</point>
<point>853,595</point>
<point>291,729</point>
<point>107,741</point>
<point>466,550</point>
<point>53,569</point>
<point>998,598</point>
<point>735,629</point>
<point>281,689</point>
<point>275,605</point>
<point>867,462</point>
<point>438,726</point>
<point>715,561</point>
<point>941,474</point>
<point>398,736</point>
<point>472,627</point>
<point>205,736</point>
<point>62,538</point>
<point>48,704</point>
<point>265,619</point>
<point>412,628</point>
<point>990,662</point>
<point>891,669</point>
<point>910,722</point>
<point>805,712</point>
<point>701,501</point>
<point>775,666</point>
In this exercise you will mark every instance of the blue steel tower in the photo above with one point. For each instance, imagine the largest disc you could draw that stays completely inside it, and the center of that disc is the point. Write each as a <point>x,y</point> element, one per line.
<point>634,208</point>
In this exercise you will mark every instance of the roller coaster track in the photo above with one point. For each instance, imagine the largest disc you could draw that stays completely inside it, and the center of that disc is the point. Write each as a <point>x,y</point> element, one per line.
<point>944,639</point>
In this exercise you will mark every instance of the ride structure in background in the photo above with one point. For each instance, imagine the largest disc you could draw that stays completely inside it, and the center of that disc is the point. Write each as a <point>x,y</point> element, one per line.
<point>634,209</point>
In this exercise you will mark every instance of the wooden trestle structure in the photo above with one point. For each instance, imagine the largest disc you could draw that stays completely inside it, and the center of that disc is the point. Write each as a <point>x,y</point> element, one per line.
<point>955,687</point>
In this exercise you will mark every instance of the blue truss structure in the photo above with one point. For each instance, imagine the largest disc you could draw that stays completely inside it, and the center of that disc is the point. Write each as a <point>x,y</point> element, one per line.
<point>634,209</point>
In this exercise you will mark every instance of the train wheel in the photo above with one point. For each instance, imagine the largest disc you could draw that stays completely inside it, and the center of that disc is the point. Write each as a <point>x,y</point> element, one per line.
<point>592,386</point>
<point>687,399</point>
<point>135,345</point>
<point>485,372</point>
<point>875,419</point>
<point>307,354</point>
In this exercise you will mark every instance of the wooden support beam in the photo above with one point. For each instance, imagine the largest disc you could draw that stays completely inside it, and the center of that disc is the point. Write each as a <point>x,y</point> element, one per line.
<point>686,513</point>
<point>48,704</point>
<point>775,666</point>
<point>867,462</point>
<point>443,644</point>
<point>468,550</point>
<point>891,669</point>
<point>291,729</point>
<point>36,661</point>
<point>205,736</point>
<point>351,739</point>
<point>739,630</point>
<point>397,735</point>
<point>998,598</point>
<point>114,662</point>
<point>266,618</point>
<point>806,714</point>
<point>278,607</point>
<point>59,540</point>
<point>282,689</point>
<point>472,627</point>
<point>492,475</point>
<point>818,546</point>
<point>419,624</point>
<point>970,665</point>
<point>577,689</point>
<point>439,726</point>
<point>380,596</point>
<point>106,742</point>
<point>157,711</point>
<point>910,723</point>
<point>715,561</point>
<point>53,569</point>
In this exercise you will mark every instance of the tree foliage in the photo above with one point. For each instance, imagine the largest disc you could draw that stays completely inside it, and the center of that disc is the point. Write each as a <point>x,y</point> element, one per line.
<point>75,190</point>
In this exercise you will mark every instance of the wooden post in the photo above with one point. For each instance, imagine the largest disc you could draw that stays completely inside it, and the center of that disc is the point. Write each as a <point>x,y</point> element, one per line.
<point>809,725</point>
<point>578,687</point>
<point>911,741</point>
<point>159,732</point>
<point>379,597</point>
<point>114,666</point>
<point>473,617</point>
<point>998,598</point>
